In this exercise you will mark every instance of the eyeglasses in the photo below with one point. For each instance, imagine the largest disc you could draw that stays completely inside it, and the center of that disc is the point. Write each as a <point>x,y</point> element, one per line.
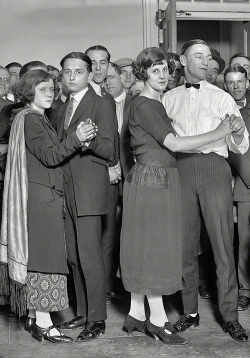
<point>5,80</point>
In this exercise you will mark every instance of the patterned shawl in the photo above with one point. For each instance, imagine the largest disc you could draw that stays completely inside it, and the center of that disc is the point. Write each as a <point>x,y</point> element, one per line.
<point>14,232</point>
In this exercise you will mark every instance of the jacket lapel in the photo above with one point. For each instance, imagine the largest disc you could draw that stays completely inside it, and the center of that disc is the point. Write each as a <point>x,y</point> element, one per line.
<point>82,107</point>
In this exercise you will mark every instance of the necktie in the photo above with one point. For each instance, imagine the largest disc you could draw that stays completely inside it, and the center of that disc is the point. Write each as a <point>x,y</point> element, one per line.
<point>195,85</point>
<point>240,104</point>
<point>68,114</point>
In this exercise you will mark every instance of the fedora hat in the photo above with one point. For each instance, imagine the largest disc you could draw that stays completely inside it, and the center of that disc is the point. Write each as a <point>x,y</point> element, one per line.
<point>216,57</point>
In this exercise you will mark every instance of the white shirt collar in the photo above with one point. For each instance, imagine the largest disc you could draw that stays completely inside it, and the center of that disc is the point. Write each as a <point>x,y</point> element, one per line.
<point>79,95</point>
<point>121,97</point>
<point>96,88</point>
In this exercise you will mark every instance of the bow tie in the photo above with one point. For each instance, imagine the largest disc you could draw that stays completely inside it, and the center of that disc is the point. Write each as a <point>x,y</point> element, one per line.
<point>195,85</point>
<point>240,103</point>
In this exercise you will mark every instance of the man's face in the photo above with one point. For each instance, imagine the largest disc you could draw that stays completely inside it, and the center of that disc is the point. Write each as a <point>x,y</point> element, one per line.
<point>242,61</point>
<point>175,76</point>
<point>4,82</point>
<point>236,85</point>
<point>113,83</point>
<point>127,77</point>
<point>213,71</point>
<point>75,74</point>
<point>14,75</point>
<point>100,65</point>
<point>196,62</point>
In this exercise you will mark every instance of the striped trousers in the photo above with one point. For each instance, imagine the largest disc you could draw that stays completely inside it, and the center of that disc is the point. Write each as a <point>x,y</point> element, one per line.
<point>206,187</point>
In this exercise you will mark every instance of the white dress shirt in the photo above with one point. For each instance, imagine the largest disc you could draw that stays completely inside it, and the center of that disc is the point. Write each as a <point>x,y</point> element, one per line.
<point>196,111</point>
<point>120,101</point>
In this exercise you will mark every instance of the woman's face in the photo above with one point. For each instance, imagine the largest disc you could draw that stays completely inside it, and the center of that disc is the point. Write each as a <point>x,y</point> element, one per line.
<point>158,76</point>
<point>44,95</point>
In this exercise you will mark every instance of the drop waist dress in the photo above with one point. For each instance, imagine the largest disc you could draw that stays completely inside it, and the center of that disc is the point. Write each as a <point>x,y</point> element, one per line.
<point>151,236</point>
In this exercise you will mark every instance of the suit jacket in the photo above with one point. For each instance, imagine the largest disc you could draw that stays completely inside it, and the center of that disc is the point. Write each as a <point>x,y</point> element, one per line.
<point>241,165</point>
<point>126,154</point>
<point>113,122</point>
<point>89,165</point>
<point>4,102</point>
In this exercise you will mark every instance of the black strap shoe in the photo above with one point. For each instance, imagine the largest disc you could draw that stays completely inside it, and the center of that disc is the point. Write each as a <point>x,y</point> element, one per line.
<point>236,331</point>
<point>44,333</point>
<point>166,333</point>
<point>91,331</point>
<point>186,321</point>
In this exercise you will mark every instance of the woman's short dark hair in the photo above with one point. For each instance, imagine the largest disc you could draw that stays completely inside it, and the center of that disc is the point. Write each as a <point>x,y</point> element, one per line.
<point>148,57</point>
<point>28,82</point>
<point>30,65</point>
<point>80,55</point>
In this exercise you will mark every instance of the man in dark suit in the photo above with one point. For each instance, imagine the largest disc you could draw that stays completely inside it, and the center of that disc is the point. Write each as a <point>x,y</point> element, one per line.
<point>4,86</point>
<point>87,191</point>
<point>100,58</point>
<point>237,83</point>
<point>113,85</point>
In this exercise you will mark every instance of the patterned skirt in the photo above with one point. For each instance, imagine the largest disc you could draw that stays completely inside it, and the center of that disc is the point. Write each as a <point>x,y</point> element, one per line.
<point>47,292</point>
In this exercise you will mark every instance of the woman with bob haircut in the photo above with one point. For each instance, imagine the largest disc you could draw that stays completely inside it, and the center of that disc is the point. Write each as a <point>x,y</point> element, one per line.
<point>151,234</point>
<point>32,246</point>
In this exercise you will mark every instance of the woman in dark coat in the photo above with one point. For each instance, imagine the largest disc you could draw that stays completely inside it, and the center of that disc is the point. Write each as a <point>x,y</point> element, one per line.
<point>34,179</point>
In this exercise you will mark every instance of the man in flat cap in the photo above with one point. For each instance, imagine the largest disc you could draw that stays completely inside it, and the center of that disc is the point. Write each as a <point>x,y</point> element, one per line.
<point>127,76</point>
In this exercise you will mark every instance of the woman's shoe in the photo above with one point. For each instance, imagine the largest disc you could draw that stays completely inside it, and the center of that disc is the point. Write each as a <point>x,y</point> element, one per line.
<point>29,324</point>
<point>162,334</point>
<point>132,324</point>
<point>44,333</point>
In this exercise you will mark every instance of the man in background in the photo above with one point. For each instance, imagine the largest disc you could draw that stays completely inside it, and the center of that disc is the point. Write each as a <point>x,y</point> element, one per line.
<point>127,76</point>
<point>237,83</point>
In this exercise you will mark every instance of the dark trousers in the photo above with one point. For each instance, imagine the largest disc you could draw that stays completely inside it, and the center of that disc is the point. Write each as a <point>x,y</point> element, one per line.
<point>109,239</point>
<point>244,248</point>
<point>206,186</point>
<point>84,253</point>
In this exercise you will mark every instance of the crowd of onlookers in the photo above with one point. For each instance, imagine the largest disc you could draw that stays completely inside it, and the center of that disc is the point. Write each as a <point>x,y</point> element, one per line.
<point>122,169</point>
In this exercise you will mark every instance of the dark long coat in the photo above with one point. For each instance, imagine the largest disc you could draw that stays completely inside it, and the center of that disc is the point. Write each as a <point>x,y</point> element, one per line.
<point>44,154</point>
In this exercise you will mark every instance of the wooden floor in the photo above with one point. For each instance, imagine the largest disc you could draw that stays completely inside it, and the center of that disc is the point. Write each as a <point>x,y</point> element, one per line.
<point>207,340</point>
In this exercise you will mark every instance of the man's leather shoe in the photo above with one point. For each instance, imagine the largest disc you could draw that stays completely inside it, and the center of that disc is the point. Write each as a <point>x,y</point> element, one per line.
<point>236,331</point>
<point>243,303</point>
<point>29,324</point>
<point>77,322</point>
<point>204,292</point>
<point>91,331</point>
<point>186,321</point>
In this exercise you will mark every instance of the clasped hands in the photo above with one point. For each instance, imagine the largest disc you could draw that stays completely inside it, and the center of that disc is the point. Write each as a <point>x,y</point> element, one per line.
<point>86,131</point>
<point>232,125</point>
